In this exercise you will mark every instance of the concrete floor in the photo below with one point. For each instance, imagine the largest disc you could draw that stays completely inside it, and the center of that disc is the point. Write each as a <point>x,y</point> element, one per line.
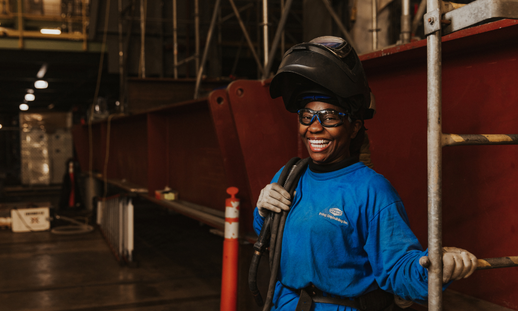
<point>179,268</point>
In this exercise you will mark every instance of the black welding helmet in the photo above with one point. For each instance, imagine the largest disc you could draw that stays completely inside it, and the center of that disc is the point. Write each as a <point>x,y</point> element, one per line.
<point>328,62</point>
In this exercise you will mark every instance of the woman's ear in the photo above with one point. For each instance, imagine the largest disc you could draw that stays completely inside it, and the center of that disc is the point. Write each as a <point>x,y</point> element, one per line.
<point>356,126</point>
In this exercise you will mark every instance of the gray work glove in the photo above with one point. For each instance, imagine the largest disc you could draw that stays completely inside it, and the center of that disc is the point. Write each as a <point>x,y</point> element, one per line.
<point>457,263</point>
<point>273,198</point>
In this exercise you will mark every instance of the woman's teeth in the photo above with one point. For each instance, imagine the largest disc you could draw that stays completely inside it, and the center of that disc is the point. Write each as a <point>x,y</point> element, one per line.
<point>318,143</point>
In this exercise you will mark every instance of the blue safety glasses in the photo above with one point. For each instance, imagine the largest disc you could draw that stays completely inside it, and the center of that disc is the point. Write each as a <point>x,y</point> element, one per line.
<point>326,117</point>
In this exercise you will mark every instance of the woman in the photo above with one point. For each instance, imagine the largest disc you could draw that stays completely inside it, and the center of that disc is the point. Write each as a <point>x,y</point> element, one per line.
<point>347,234</point>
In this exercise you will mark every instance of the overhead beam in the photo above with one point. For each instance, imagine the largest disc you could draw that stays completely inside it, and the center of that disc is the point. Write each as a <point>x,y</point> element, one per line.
<point>49,45</point>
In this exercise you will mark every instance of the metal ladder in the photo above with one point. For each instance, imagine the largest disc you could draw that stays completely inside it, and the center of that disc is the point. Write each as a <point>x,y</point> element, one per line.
<point>436,140</point>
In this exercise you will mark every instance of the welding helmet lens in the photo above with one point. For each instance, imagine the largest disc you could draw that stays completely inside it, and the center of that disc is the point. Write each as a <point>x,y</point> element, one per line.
<point>335,45</point>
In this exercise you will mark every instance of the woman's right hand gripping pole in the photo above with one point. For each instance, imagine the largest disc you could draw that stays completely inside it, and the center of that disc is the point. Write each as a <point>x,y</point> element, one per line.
<point>273,198</point>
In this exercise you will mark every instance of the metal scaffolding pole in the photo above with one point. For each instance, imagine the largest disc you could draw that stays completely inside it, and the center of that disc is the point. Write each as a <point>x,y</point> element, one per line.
<point>339,23</point>
<point>265,32</point>
<point>20,24</point>
<point>197,34</point>
<point>121,57</point>
<point>142,68</point>
<point>418,16</point>
<point>405,21</point>
<point>84,24</point>
<point>175,40</point>
<point>434,140</point>
<point>247,37</point>
<point>206,50</point>
<point>283,47</point>
<point>374,12</point>
<point>277,38</point>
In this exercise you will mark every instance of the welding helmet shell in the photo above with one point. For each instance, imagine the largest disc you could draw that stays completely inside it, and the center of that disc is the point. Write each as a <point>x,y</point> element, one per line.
<point>329,62</point>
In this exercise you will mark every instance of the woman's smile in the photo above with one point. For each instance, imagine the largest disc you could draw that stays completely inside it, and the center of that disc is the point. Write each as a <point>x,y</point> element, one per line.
<point>318,145</point>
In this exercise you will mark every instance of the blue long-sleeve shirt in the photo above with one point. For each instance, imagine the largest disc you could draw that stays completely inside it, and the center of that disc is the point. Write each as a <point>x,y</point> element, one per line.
<point>347,232</point>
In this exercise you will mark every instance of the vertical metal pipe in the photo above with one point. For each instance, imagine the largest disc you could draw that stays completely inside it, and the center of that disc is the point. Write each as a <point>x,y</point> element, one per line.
<point>265,32</point>
<point>84,24</point>
<point>175,41</point>
<point>374,12</point>
<point>245,33</point>
<point>120,233</point>
<point>276,39</point>
<point>418,16</point>
<point>283,47</point>
<point>130,222</point>
<point>405,21</point>
<point>70,13</point>
<point>206,50</point>
<point>161,32</point>
<point>121,58</point>
<point>434,133</point>
<point>20,24</point>
<point>197,34</point>
<point>339,23</point>
<point>143,38</point>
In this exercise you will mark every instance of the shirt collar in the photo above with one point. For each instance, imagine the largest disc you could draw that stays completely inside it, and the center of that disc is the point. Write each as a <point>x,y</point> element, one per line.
<point>318,168</point>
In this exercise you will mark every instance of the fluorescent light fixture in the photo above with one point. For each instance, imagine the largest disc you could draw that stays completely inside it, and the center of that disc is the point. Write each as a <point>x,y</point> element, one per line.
<point>46,31</point>
<point>41,84</point>
<point>29,97</point>
<point>24,107</point>
<point>43,70</point>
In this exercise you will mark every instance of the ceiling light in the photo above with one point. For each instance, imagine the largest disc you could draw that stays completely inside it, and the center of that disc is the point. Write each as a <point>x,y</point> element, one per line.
<point>29,97</point>
<point>46,31</point>
<point>1,126</point>
<point>24,107</point>
<point>43,70</point>
<point>41,84</point>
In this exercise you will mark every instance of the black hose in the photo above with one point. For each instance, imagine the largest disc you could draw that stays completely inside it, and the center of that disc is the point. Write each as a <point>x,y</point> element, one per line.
<point>273,235</point>
<point>283,178</point>
<point>259,247</point>
<point>271,222</point>
<point>290,186</point>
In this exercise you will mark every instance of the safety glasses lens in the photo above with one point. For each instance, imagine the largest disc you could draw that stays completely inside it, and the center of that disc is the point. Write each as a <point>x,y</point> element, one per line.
<point>325,117</point>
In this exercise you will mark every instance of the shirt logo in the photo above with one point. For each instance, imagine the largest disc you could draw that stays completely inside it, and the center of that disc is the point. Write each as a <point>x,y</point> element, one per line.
<point>335,211</point>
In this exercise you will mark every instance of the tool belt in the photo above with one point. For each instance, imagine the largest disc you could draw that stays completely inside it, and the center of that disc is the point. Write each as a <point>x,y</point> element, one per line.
<point>376,300</point>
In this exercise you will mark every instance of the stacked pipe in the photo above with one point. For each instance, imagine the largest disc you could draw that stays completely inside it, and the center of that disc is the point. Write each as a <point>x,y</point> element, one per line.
<point>115,220</point>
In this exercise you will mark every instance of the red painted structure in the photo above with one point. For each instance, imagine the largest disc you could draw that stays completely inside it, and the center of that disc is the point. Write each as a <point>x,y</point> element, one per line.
<point>240,137</point>
<point>480,73</point>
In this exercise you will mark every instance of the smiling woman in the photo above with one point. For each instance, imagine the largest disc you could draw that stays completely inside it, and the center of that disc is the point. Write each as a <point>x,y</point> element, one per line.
<point>347,243</point>
<point>327,144</point>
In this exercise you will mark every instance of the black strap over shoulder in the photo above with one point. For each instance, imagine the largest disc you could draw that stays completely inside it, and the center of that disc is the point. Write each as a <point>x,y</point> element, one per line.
<point>271,233</point>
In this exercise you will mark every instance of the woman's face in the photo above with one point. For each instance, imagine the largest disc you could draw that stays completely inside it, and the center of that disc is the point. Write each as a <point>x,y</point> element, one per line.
<point>327,145</point>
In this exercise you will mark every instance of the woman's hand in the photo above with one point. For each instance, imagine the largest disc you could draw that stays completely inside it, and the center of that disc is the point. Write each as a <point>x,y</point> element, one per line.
<point>457,263</point>
<point>274,198</point>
